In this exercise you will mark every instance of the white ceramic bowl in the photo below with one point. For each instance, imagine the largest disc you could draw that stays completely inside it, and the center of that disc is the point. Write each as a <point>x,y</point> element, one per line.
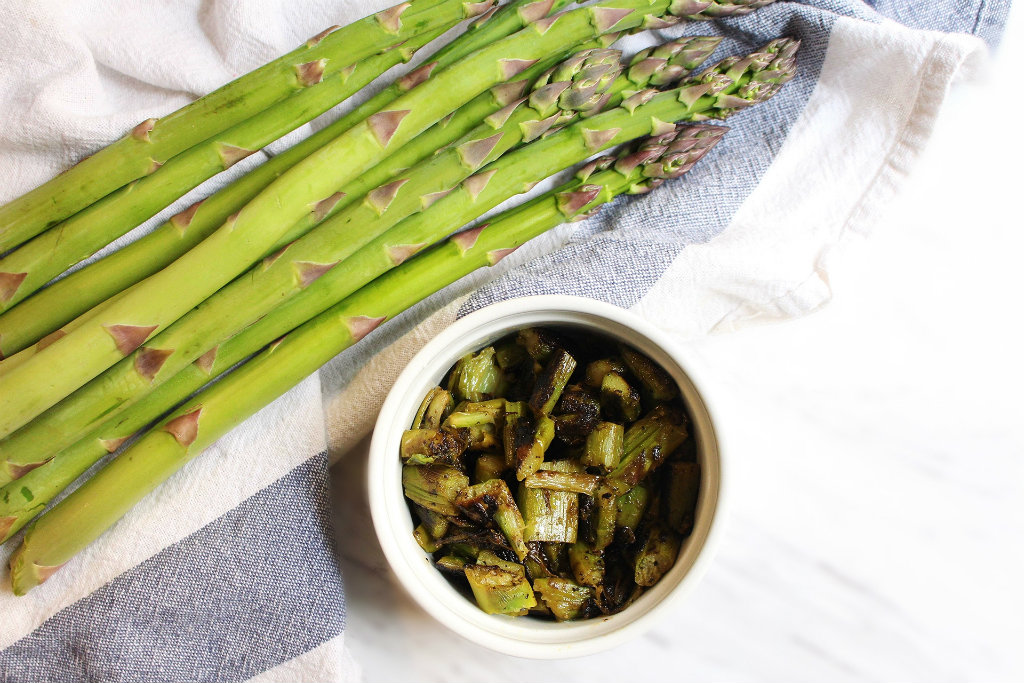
<point>525,636</point>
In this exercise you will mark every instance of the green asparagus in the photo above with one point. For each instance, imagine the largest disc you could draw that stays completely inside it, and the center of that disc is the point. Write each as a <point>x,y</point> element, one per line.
<point>154,141</point>
<point>80,291</point>
<point>129,322</point>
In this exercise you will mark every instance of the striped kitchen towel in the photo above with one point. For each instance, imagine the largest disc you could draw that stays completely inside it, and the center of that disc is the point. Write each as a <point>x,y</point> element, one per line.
<point>228,571</point>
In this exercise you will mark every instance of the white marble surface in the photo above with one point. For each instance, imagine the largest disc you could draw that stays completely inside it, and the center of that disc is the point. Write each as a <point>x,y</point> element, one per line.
<point>877,507</point>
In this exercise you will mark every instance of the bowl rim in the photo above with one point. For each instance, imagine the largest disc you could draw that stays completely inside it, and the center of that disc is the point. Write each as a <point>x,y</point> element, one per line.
<point>540,639</point>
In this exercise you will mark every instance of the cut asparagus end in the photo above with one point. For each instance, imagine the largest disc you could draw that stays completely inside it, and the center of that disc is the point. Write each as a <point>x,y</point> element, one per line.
<point>606,513</point>
<point>655,380</point>
<point>435,524</point>
<point>434,409</point>
<point>656,557</point>
<point>566,599</point>
<point>430,446</point>
<point>604,446</point>
<point>476,377</point>
<point>482,422</point>
<point>540,344</point>
<point>551,516</point>
<point>631,508</point>
<point>434,487</point>
<point>577,411</point>
<point>499,591</point>
<point>572,482</point>
<point>425,540</point>
<point>532,439</point>
<point>552,382</point>
<point>618,398</point>
<point>647,444</point>
<point>452,565</point>
<point>493,499</point>
<point>599,368</point>
<point>587,564</point>
<point>489,466</point>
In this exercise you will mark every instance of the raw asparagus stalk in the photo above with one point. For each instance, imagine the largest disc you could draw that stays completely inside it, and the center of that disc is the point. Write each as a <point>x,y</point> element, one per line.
<point>73,360</point>
<point>80,291</point>
<point>154,141</point>
<point>157,455</point>
<point>577,85</point>
<point>31,446</point>
<point>46,256</point>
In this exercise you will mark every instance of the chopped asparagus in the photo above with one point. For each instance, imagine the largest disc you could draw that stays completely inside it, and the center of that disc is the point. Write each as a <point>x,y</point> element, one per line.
<point>499,591</point>
<point>434,409</point>
<point>425,540</point>
<point>682,491</point>
<point>435,524</point>
<point>429,446</point>
<point>552,382</point>
<point>550,515</point>
<point>536,562</point>
<point>566,599</point>
<point>651,375</point>
<point>604,446</point>
<point>539,343</point>
<point>488,466</point>
<point>587,564</point>
<point>578,410</point>
<point>531,440</point>
<point>496,494</point>
<point>618,399</point>
<point>657,555</point>
<point>647,444</point>
<point>631,508</point>
<point>513,411</point>
<point>562,481</point>
<point>599,368</point>
<point>476,377</point>
<point>451,564</point>
<point>607,513</point>
<point>434,487</point>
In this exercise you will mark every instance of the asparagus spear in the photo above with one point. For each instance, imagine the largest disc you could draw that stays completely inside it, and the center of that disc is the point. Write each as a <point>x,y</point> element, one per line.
<point>73,360</point>
<point>80,291</point>
<point>39,260</point>
<point>154,141</point>
<point>576,85</point>
<point>118,486</point>
<point>32,446</point>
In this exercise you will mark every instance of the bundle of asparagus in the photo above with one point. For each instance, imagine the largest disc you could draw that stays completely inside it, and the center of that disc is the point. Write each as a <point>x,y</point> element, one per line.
<point>326,234</point>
